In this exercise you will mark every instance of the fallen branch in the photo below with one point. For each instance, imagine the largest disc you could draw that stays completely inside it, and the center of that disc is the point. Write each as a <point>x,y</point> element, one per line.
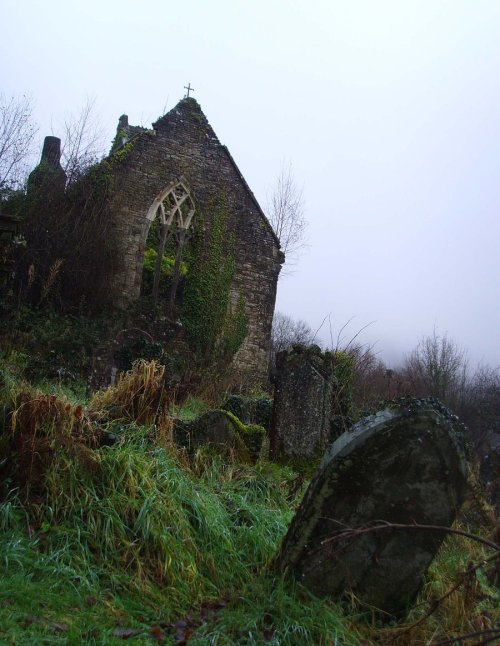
<point>493,632</point>
<point>382,524</point>
<point>379,525</point>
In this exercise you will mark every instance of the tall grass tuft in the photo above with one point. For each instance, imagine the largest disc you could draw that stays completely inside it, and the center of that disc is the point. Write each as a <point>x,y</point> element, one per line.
<point>41,426</point>
<point>139,395</point>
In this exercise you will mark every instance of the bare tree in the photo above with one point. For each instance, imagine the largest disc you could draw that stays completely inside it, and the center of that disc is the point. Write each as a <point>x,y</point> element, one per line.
<point>286,214</point>
<point>83,141</point>
<point>286,331</point>
<point>481,412</point>
<point>438,367</point>
<point>17,133</point>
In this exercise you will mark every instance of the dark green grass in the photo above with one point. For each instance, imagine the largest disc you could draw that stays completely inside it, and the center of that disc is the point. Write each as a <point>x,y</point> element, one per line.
<point>136,540</point>
<point>144,539</point>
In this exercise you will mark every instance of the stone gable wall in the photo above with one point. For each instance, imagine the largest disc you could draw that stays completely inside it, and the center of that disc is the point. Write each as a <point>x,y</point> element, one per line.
<point>183,144</point>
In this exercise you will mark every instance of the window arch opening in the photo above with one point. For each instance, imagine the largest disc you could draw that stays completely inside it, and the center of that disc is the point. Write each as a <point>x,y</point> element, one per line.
<point>171,216</point>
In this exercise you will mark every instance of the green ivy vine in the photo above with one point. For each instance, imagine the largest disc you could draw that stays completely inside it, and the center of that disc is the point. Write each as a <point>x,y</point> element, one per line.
<point>214,329</point>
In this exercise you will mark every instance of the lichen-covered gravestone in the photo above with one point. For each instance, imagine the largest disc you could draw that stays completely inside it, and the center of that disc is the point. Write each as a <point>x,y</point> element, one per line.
<point>304,386</point>
<point>251,410</point>
<point>403,465</point>
<point>221,430</point>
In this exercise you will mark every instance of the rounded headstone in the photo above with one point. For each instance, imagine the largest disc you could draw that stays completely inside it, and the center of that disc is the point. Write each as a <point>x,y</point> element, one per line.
<point>403,465</point>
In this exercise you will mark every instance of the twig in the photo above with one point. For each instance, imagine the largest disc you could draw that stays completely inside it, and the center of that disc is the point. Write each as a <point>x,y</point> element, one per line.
<point>322,323</point>
<point>381,524</point>
<point>353,533</point>
<point>358,333</point>
<point>136,329</point>
<point>433,605</point>
<point>340,332</point>
<point>461,638</point>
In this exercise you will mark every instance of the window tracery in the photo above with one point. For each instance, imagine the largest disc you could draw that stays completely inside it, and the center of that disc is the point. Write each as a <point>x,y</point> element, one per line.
<point>175,210</point>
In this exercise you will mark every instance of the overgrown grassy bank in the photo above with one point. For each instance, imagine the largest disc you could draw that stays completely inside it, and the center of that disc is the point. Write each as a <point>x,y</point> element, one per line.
<point>142,537</point>
<point>110,532</point>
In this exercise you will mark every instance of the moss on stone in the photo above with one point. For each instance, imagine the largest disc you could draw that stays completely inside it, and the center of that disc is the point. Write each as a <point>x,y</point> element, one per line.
<point>118,156</point>
<point>215,430</point>
<point>251,434</point>
<point>305,466</point>
<point>251,409</point>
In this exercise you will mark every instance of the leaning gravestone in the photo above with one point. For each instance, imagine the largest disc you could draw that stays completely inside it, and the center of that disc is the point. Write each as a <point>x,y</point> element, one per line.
<point>403,465</point>
<point>304,386</point>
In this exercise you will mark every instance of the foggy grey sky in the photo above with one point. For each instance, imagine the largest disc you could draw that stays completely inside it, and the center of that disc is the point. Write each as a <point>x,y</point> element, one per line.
<point>388,111</point>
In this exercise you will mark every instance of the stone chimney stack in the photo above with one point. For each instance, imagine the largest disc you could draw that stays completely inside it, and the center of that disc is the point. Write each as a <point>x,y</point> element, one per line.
<point>51,152</point>
<point>48,177</point>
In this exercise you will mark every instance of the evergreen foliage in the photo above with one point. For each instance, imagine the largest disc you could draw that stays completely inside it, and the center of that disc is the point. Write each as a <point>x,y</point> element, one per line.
<point>214,329</point>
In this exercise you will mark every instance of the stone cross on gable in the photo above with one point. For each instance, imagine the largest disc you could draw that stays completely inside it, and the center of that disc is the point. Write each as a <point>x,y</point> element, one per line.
<point>189,89</point>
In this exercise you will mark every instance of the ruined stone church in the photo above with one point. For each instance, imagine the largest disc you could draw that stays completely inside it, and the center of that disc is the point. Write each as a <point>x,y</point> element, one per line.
<point>175,172</point>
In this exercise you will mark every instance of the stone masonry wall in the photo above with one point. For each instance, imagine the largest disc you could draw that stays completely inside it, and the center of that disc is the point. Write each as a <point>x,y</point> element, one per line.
<point>183,145</point>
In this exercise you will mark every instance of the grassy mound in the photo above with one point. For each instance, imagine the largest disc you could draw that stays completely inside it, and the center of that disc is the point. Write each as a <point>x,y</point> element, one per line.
<point>132,539</point>
<point>144,532</point>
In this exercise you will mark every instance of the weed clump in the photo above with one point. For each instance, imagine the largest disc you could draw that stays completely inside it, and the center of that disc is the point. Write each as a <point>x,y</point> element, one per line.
<point>40,428</point>
<point>139,396</point>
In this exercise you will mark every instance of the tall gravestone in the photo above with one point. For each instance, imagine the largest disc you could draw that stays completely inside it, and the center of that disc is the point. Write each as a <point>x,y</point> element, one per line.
<point>304,386</point>
<point>404,465</point>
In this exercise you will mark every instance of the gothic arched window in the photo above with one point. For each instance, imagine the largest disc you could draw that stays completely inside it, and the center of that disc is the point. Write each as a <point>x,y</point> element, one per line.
<point>174,210</point>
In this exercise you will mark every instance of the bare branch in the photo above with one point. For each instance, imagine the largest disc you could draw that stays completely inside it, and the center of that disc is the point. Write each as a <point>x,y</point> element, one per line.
<point>17,133</point>
<point>347,533</point>
<point>321,325</point>
<point>384,525</point>
<point>286,214</point>
<point>83,141</point>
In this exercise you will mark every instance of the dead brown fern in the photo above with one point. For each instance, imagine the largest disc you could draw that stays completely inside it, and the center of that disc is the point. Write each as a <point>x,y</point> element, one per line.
<point>51,278</point>
<point>139,395</point>
<point>42,425</point>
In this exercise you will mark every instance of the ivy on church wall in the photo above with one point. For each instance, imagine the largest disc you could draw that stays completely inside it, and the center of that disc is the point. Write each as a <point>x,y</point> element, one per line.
<point>182,144</point>
<point>215,329</point>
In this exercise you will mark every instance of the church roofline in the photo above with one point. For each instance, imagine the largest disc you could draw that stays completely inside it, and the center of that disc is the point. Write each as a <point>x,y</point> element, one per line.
<point>190,101</point>
<point>194,103</point>
<point>251,195</point>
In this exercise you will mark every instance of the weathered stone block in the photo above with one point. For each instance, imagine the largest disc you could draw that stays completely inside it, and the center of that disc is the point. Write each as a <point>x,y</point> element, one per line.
<point>304,386</point>
<point>251,410</point>
<point>223,431</point>
<point>403,465</point>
